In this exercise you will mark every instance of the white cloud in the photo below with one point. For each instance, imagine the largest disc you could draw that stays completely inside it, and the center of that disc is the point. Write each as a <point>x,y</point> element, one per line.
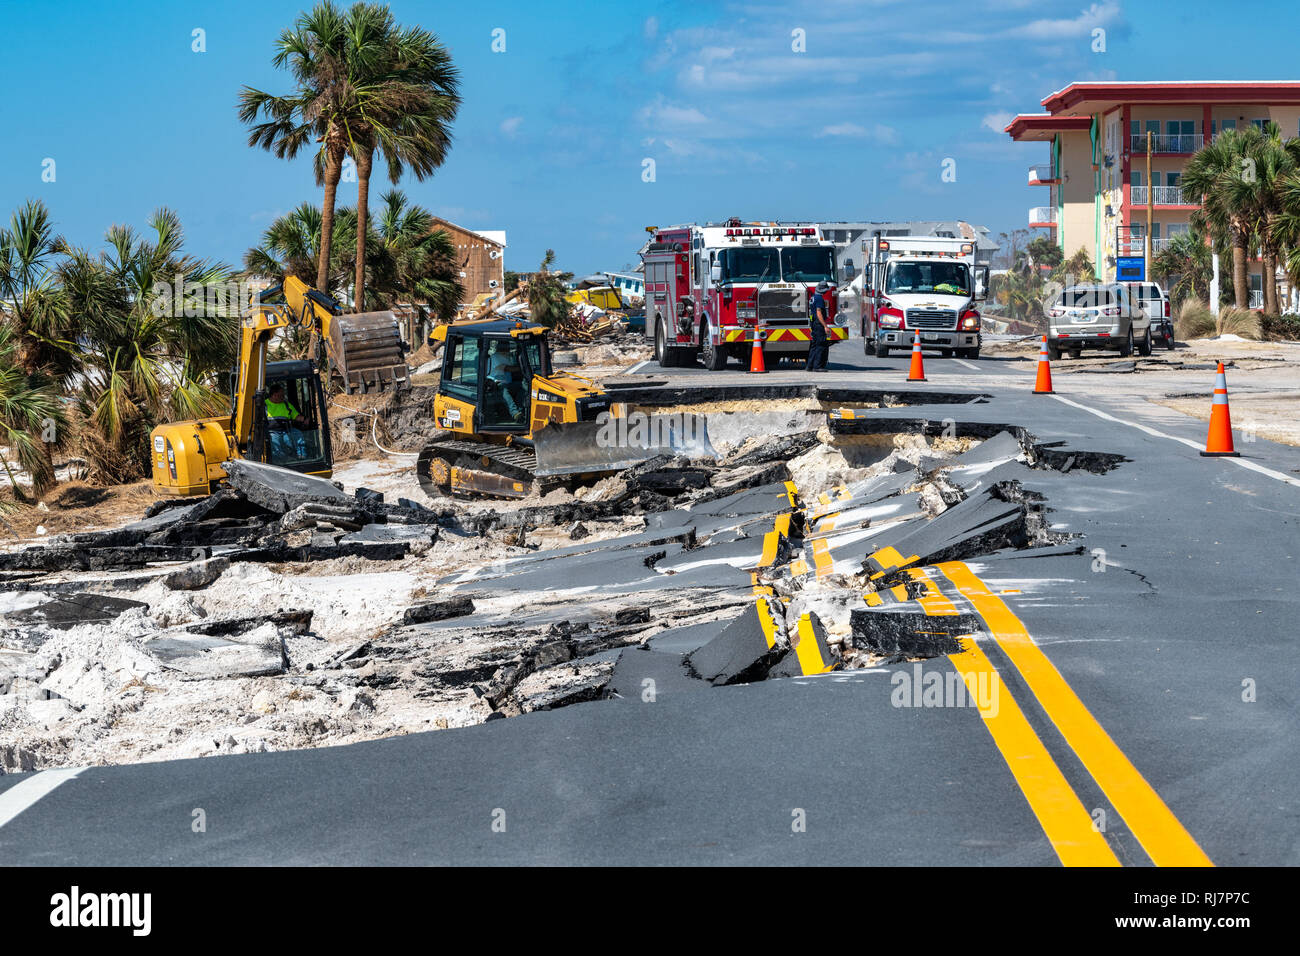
<point>510,125</point>
<point>997,121</point>
<point>1097,15</point>
<point>880,133</point>
<point>668,116</point>
<point>650,29</point>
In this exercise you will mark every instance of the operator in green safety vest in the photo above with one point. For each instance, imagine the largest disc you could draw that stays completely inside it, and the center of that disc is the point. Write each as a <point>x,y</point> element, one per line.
<point>278,408</point>
<point>281,416</point>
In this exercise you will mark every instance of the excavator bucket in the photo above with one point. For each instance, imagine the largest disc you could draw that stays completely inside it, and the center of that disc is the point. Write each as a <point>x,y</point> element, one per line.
<point>577,448</point>
<point>367,351</point>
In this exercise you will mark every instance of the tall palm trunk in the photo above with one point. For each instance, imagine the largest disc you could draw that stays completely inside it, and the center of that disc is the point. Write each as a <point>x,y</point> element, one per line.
<point>365,161</point>
<point>1270,282</point>
<point>1240,277</point>
<point>333,172</point>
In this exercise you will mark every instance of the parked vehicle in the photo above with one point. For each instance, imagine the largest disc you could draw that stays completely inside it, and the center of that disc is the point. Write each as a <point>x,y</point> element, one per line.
<point>922,284</point>
<point>1097,316</point>
<point>1155,302</point>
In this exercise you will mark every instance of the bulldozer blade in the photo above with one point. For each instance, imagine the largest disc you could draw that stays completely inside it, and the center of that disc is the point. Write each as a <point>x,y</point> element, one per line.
<point>578,448</point>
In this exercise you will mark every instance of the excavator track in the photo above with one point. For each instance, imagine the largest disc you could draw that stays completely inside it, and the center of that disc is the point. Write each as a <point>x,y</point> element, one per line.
<point>452,466</point>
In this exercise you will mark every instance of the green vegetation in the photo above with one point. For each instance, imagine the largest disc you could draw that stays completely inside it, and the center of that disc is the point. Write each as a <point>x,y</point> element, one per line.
<point>362,84</point>
<point>546,303</point>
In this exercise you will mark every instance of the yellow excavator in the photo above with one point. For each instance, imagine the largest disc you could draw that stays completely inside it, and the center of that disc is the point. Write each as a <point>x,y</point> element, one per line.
<point>511,425</point>
<point>278,409</point>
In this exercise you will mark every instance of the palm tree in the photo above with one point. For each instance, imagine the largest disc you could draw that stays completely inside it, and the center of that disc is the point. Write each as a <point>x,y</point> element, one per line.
<point>31,302</point>
<point>290,246</point>
<point>1274,161</point>
<point>546,302</point>
<point>316,52</point>
<point>1187,259</point>
<point>407,97</point>
<point>412,260</point>
<point>141,355</point>
<point>407,258</point>
<point>1223,174</point>
<point>30,416</point>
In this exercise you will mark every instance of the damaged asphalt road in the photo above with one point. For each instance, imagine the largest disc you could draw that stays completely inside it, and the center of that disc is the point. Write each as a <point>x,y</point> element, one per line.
<point>782,637</point>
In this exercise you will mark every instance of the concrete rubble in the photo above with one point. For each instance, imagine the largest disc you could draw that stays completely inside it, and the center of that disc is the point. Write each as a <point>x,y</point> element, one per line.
<point>284,612</point>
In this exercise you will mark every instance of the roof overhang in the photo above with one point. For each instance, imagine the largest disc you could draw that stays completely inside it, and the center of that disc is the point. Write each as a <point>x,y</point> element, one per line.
<point>1088,98</point>
<point>1029,127</point>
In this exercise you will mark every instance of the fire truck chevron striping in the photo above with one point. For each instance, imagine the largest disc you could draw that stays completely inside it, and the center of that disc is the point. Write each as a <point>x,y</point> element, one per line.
<point>711,290</point>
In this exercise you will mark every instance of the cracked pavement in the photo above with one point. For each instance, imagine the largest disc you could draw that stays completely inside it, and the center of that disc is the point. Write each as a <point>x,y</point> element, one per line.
<point>1059,611</point>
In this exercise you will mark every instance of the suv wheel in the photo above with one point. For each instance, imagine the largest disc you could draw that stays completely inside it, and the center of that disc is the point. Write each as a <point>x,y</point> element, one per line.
<point>1145,347</point>
<point>1126,349</point>
<point>1053,351</point>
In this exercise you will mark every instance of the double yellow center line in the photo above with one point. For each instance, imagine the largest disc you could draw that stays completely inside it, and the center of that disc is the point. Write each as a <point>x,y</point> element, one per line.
<point>1063,817</point>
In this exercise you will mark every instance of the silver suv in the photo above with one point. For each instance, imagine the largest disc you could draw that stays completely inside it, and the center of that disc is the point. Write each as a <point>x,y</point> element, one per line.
<point>1099,315</point>
<point>1155,302</point>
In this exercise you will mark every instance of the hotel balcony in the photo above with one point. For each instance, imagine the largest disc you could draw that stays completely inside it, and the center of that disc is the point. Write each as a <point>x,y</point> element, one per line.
<point>1161,196</point>
<point>1166,143</point>
<point>1042,216</point>
<point>1042,175</point>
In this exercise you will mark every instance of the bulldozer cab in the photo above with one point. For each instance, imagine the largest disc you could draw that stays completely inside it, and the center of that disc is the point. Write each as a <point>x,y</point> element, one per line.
<point>488,370</point>
<point>290,422</point>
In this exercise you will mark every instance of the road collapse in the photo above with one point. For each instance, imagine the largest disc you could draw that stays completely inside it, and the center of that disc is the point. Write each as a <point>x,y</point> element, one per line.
<point>807,545</point>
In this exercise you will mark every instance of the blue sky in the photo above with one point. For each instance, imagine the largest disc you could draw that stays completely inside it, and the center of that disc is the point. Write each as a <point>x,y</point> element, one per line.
<point>553,134</point>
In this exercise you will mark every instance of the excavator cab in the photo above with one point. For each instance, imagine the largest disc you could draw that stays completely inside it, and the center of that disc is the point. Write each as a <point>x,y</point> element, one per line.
<point>290,423</point>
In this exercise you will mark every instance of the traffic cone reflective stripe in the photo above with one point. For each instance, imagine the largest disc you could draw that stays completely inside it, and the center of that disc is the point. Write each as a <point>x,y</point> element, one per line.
<point>917,372</point>
<point>1043,385</point>
<point>756,363</point>
<point>1218,443</point>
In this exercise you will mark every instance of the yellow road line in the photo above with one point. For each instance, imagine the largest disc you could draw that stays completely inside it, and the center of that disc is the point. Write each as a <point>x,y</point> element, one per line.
<point>807,651</point>
<point>1161,834</point>
<point>1059,811</point>
<point>765,621</point>
<point>889,559</point>
<point>792,493</point>
<point>933,600</point>
<point>822,557</point>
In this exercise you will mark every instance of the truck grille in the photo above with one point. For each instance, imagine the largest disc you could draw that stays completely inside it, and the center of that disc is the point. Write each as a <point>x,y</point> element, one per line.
<point>931,319</point>
<point>781,307</point>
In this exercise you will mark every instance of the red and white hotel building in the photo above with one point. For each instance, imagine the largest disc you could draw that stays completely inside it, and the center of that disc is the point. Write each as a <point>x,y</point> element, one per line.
<point>1096,177</point>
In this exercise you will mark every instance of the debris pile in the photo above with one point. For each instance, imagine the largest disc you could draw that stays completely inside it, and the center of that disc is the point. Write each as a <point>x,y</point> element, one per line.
<point>266,513</point>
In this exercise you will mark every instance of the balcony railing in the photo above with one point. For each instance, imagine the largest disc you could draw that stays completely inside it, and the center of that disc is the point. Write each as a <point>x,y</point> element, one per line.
<point>1136,246</point>
<point>1041,175</point>
<point>1042,215</point>
<point>1161,196</point>
<point>1167,143</point>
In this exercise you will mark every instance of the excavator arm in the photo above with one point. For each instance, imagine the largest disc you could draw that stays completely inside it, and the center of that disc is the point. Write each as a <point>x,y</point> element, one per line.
<point>365,349</point>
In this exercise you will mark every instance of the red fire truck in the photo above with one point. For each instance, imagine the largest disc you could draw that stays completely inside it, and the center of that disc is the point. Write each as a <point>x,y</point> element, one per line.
<point>711,290</point>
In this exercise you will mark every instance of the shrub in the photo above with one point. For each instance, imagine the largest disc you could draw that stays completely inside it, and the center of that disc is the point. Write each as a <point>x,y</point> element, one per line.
<point>1281,328</point>
<point>1194,320</point>
<point>1241,322</point>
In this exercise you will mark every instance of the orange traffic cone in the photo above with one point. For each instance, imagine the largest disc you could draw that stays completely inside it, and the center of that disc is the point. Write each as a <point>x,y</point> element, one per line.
<point>1043,386</point>
<point>917,371</point>
<point>1218,443</point>
<point>756,363</point>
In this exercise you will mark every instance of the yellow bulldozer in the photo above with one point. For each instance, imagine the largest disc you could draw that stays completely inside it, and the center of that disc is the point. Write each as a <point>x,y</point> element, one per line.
<point>510,424</point>
<point>278,409</point>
